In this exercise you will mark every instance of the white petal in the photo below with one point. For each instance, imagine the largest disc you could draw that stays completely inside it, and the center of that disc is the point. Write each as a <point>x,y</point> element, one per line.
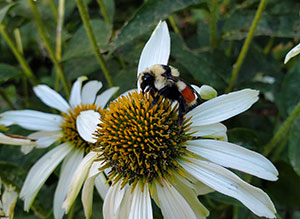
<point>75,97</point>
<point>4,139</point>
<point>225,182</point>
<point>9,199</point>
<point>157,49</point>
<point>40,171</point>
<point>112,201</point>
<point>103,98</point>
<point>89,91</point>
<point>45,138</point>
<point>87,196</point>
<point>101,185</point>
<point>141,203</point>
<point>78,178</point>
<point>172,204</point>
<point>32,120</point>
<point>206,92</point>
<point>215,131</point>
<point>206,130</point>
<point>293,52</point>
<point>25,149</point>
<point>69,166</point>
<point>189,193</point>
<point>223,107</point>
<point>234,156</point>
<point>87,124</point>
<point>51,98</point>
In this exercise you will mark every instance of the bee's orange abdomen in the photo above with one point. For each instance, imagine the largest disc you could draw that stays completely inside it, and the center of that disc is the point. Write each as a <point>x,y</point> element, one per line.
<point>188,95</point>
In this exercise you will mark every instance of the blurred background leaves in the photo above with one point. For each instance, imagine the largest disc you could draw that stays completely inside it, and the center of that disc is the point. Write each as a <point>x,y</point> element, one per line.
<point>206,37</point>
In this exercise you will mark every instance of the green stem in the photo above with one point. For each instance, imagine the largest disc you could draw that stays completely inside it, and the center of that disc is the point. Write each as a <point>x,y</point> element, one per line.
<point>43,35</point>
<point>213,6</point>
<point>246,45</point>
<point>53,8</point>
<point>282,130</point>
<point>60,21</point>
<point>280,147</point>
<point>18,40</point>
<point>269,45</point>
<point>173,24</point>
<point>6,98</point>
<point>29,74</point>
<point>85,18</point>
<point>104,12</point>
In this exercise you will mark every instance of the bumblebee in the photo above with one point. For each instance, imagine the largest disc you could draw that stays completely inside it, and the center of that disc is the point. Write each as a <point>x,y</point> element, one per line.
<point>164,80</point>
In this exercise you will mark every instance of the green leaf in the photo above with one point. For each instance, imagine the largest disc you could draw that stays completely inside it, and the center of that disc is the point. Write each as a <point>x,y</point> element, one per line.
<point>279,25</point>
<point>80,45</point>
<point>290,91</point>
<point>4,10</point>
<point>201,65</point>
<point>12,174</point>
<point>8,72</point>
<point>110,9</point>
<point>147,16</point>
<point>286,190</point>
<point>294,149</point>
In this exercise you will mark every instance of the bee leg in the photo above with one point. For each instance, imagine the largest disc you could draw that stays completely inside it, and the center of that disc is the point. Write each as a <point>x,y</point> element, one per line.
<point>161,92</point>
<point>181,109</point>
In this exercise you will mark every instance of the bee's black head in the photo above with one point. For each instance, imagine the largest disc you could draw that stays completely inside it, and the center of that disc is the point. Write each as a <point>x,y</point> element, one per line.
<point>147,81</point>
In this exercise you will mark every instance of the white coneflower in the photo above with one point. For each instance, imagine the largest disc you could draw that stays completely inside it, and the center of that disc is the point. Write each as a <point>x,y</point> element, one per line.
<point>69,130</point>
<point>148,155</point>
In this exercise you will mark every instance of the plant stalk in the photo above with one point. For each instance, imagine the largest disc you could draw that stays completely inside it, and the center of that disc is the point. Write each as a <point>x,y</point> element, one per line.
<point>29,74</point>
<point>51,53</point>
<point>86,22</point>
<point>246,45</point>
<point>281,132</point>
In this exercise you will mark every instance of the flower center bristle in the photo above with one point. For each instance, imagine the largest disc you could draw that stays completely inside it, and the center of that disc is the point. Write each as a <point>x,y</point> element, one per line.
<point>139,141</point>
<point>69,130</point>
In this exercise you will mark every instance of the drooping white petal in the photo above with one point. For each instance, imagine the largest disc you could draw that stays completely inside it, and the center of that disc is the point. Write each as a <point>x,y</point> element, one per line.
<point>45,138</point>
<point>234,156</point>
<point>225,182</point>
<point>189,193</point>
<point>104,97</point>
<point>86,124</point>
<point>141,207</point>
<point>112,201</point>
<point>157,49</point>
<point>101,185</point>
<point>89,91</point>
<point>51,98</point>
<point>78,178</point>
<point>88,189</point>
<point>87,196</point>
<point>9,199</point>
<point>40,171</point>
<point>172,204</point>
<point>4,139</point>
<point>32,120</point>
<point>223,107</point>
<point>75,97</point>
<point>69,166</point>
<point>293,52</point>
<point>25,149</point>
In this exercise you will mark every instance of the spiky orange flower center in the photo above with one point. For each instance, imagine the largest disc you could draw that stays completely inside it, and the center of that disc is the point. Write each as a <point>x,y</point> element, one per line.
<point>139,141</point>
<point>69,130</point>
